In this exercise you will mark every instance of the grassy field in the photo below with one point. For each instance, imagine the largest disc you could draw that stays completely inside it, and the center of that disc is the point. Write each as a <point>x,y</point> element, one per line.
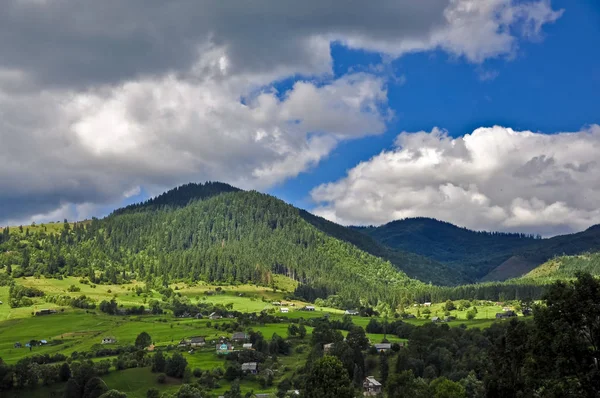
<point>72,330</point>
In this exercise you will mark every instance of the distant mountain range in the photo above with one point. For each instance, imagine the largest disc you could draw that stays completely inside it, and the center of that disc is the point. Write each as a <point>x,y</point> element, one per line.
<point>479,256</point>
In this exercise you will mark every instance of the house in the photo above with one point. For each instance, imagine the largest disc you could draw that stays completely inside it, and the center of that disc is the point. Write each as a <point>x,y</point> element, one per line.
<point>109,340</point>
<point>328,347</point>
<point>224,348</point>
<point>184,343</point>
<point>383,347</point>
<point>505,314</point>
<point>285,310</point>
<point>276,303</point>
<point>239,336</point>
<point>309,308</point>
<point>247,346</point>
<point>45,312</point>
<point>351,312</point>
<point>42,342</point>
<point>371,387</point>
<point>427,304</point>
<point>435,319</point>
<point>18,345</point>
<point>198,316</point>
<point>250,367</point>
<point>505,309</point>
<point>214,315</point>
<point>197,341</point>
<point>449,318</point>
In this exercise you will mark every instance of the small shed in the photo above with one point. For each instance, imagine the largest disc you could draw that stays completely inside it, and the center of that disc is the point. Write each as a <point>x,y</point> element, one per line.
<point>109,340</point>
<point>383,347</point>
<point>427,304</point>
<point>309,308</point>
<point>371,387</point>
<point>197,341</point>
<point>351,312</point>
<point>328,347</point>
<point>247,346</point>
<point>214,315</point>
<point>250,367</point>
<point>239,336</point>
<point>285,310</point>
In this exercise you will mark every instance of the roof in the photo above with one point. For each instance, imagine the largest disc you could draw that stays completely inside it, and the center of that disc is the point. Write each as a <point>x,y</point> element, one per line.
<point>249,366</point>
<point>371,380</point>
<point>197,339</point>
<point>239,335</point>
<point>383,346</point>
<point>352,312</point>
<point>328,345</point>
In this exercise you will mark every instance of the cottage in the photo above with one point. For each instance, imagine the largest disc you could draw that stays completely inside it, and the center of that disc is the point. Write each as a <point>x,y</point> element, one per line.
<point>328,347</point>
<point>284,310</point>
<point>435,319</point>
<point>197,341</point>
<point>198,316</point>
<point>224,348</point>
<point>309,308</point>
<point>109,340</point>
<point>184,343</point>
<point>43,342</point>
<point>276,303</point>
<point>505,314</point>
<point>383,347</point>
<point>247,346</point>
<point>351,312</point>
<point>250,367</point>
<point>427,304</point>
<point>371,387</point>
<point>239,336</point>
<point>214,315</point>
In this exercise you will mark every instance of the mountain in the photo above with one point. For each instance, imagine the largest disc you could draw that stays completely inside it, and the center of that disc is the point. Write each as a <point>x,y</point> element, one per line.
<point>479,256</point>
<point>566,267</point>
<point>214,233</point>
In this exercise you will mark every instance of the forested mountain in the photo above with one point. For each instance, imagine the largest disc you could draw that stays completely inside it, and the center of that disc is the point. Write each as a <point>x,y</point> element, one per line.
<point>479,255</point>
<point>566,267</point>
<point>234,236</point>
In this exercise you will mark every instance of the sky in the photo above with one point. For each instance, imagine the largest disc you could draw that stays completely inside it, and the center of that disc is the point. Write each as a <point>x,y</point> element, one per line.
<point>485,114</point>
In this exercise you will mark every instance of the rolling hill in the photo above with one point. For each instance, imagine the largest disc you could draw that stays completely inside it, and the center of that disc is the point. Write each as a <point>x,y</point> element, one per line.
<point>566,267</point>
<point>480,256</point>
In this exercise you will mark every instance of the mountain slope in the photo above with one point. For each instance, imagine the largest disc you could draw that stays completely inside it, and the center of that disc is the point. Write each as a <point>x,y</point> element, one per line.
<point>235,236</point>
<point>479,255</point>
<point>566,267</point>
<point>414,265</point>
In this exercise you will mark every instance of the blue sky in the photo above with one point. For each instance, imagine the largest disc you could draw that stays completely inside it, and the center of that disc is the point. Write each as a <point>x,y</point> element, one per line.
<point>480,113</point>
<point>552,85</point>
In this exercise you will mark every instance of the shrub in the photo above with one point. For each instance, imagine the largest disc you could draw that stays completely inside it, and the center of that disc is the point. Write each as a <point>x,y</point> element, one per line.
<point>162,378</point>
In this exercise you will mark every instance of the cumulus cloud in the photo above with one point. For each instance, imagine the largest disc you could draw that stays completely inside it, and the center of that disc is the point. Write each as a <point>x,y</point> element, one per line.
<point>494,178</point>
<point>99,98</point>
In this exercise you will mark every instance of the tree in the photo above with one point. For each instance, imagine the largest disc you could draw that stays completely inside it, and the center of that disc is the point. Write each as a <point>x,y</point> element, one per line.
<point>235,391</point>
<point>328,379</point>
<point>153,393</point>
<point>292,330</point>
<point>143,340</point>
<point>188,391</point>
<point>175,366</point>
<point>158,362</point>
<point>301,331</point>
<point>94,388</point>
<point>449,306</point>
<point>72,389</point>
<point>64,373</point>
<point>384,368</point>
<point>444,388</point>
<point>357,338</point>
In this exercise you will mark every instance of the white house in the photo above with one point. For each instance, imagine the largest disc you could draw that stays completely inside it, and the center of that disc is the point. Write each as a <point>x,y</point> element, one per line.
<point>309,308</point>
<point>285,310</point>
<point>427,304</point>
<point>109,340</point>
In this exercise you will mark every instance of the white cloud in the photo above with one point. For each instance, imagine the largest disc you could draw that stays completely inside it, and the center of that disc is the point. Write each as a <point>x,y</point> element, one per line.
<point>494,178</point>
<point>134,94</point>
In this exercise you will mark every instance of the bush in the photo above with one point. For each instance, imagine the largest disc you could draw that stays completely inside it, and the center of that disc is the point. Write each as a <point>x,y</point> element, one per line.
<point>197,372</point>
<point>162,378</point>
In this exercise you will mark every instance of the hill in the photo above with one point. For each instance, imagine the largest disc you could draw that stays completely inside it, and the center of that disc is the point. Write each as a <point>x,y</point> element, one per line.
<point>233,237</point>
<point>566,267</point>
<point>480,256</point>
